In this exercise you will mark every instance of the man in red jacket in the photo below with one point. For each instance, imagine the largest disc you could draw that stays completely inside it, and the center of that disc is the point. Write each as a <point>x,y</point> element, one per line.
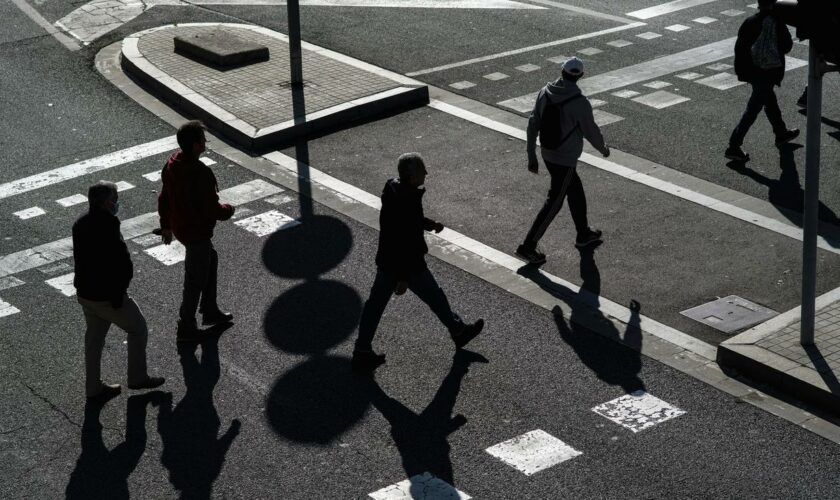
<point>189,207</point>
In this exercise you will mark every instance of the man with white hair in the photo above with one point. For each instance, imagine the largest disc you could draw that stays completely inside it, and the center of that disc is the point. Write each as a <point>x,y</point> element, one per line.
<point>562,117</point>
<point>401,263</point>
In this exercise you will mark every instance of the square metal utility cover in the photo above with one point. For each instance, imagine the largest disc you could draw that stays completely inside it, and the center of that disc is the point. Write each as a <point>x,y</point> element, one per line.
<point>730,314</point>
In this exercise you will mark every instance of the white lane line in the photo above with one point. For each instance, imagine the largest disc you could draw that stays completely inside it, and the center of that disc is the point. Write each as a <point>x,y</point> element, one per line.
<point>666,8</point>
<point>524,49</point>
<point>584,11</point>
<point>49,28</point>
<point>29,213</point>
<point>638,411</point>
<point>86,167</point>
<point>7,309</point>
<point>660,99</point>
<point>267,223</point>
<point>168,255</point>
<point>70,201</point>
<point>424,486</point>
<point>605,164</point>
<point>533,451</point>
<point>10,282</point>
<point>606,306</point>
<point>63,284</point>
<point>55,251</point>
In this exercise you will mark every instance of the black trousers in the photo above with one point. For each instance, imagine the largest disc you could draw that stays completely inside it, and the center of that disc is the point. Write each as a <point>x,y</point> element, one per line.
<point>763,97</point>
<point>564,183</point>
<point>200,270</point>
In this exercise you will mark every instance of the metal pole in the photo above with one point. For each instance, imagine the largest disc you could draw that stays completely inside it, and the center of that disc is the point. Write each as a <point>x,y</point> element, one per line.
<point>295,57</point>
<point>812,197</point>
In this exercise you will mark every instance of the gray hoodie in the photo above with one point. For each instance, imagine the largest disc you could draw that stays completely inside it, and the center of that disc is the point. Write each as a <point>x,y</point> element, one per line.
<point>577,115</point>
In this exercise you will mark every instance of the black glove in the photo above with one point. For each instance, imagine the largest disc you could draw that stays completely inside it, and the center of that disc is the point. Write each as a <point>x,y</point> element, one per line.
<point>117,301</point>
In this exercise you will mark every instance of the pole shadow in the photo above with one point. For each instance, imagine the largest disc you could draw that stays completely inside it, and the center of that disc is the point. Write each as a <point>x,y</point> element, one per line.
<point>823,368</point>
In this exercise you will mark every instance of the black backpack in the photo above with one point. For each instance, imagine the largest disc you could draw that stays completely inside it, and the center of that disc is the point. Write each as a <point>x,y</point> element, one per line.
<point>551,135</point>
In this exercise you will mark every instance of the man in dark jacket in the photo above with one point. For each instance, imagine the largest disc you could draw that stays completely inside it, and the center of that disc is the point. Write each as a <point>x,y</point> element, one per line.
<point>401,263</point>
<point>760,52</point>
<point>189,207</point>
<point>103,271</point>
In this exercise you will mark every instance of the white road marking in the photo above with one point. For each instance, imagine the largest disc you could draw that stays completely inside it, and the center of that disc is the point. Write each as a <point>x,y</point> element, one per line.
<point>689,75</point>
<point>602,118</point>
<point>527,68</point>
<point>63,284</point>
<point>649,35</point>
<point>666,8</point>
<point>147,240</point>
<point>720,81</point>
<point>705,20</point>
<point>533,451</point>
<point>10,282</point>
<point>590,51</point>
<point>638,411</point>
<point>207,161</point>
<point>658,84</point>
<point>557,59</point>
<point>719,67</point>
<point>420,487</point>
<point>29,213</point>
<point>267,223</point>
<point>242,212</point>
<point>626,94</point>
<point>522,50</point>
<point>676,28</point>
<point>732,12</point>
<point>462,85</point>
<point>619,43</point>
<point>124,186</point>
<point>86,167</point>
<point>522,104</point>
<point>170,254</point>
<point>753,5</point>
<point>660,99</point>
<point>584,11</point>
<point>596,102</point>
<point>40,21</point>
<point>281,199</point>
<point>59,267</point>
<point>494,77</point>
<point>72,200</point>
<point>7,309</point>
<point>153,176</point>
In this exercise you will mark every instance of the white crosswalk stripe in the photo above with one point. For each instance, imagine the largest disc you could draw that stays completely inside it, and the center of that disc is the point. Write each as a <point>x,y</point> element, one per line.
<point>638,411</point>
<point>70,201</point>
<point>420,487</point>
<point>29,213</point>
<point>168,255</point>
<point>533,451</point>
<point>63,284</point>
<point>267,223</point>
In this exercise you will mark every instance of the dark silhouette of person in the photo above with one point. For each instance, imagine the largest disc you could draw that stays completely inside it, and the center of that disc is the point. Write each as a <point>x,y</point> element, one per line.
<point>192,451</point>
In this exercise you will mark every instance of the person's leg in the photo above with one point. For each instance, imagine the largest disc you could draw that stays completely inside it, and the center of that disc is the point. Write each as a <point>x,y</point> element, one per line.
<point>424,285</point>
<point>380,293</point>
<point>130,318</point>
<point>97,328</point>
<point>560,180</point>
<point>577,203</point>
<point>774,114</point>
<point>208,293</point>
<point>754,106</point>
<point>196,266</point>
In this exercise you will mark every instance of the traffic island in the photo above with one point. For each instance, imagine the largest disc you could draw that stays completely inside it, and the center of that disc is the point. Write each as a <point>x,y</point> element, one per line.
<point>245,93</point>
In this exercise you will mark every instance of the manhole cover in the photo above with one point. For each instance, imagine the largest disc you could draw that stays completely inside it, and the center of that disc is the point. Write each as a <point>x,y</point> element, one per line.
<point>729,314</point>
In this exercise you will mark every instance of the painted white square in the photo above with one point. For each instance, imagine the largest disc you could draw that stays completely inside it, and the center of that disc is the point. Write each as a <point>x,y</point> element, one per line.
<point>124,186</point>
<point>29,213</point>
<point>168,254</point>
<point>147,240</point>
<point>793,63</point>
<point>494,77</point>
<point>638,411</point>
<point>420,487</point>
<point>10,282</point>
<point>207,161</point>
<point>72,200</point>
<point>280,199</point>
<point>558,59</point>
<point>267,222</point>
<point>522,104</point>
<point>677,28</point>
<point>590,51</point>
<point>596,102</point>
<point>732,12</point>
<point>527,68</point>
<point>462,85</point>
<point>660,99</point>
<point>153,176</point>
<point>648,35</point>
<point>242,212</point>
<point>619,43</point>
<point>705,20</point>
<point>63,284</point>
<point>720,81</point>
<point>603,118</point>
<point>625,94</point>
<point>658,84</point>
<point>689,75</point>
<point>7,309</point>
<point>533,451</point>
<point>719,66</point>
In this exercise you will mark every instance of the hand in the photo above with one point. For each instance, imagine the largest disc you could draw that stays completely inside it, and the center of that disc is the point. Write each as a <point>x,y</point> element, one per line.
<point>635,306</point>
<point>533,165</point>
<point>438,227</point>
<point>402,286</point>
<point>166,236</point>
<point>606,152</point>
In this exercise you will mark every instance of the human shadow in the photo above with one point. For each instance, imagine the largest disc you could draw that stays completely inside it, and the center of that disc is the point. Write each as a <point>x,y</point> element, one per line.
<point>103,473</point>
<point>192,451</point>
<point>586,316</point>
<point>823,368</point>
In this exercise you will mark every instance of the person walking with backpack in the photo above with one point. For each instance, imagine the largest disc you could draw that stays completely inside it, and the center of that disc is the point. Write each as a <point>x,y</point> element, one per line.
<point>562,117</point>
<point>760,51</point>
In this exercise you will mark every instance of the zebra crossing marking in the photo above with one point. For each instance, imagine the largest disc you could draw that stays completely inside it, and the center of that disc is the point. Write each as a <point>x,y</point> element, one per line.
<point>590,51</point>
<point>603,118</point>
<point>666,8</point>
<point>124,186</point>
<point>464,84</point>
<point>533,451</point>
<point>619,43</point>
<point>596,102</point>
<point>660,99</point>
<point>676,28</point>
<point>170,254</point>
<point>626,93</point>
<point>70,201</point>
<point>732,12</point>
<point>10,282</point>
<point>720,81</point>
<point>719,66</point>
<point>63,284</point>
<point>690,75</point>
<point>527,68</point>
<point>267,223</point>
<point>280,199</point>
<point>7,309</point>
<point>648,35</point>
<point>57,268</point>
<point>494,77</point>
<point>638,411</point>
<point>557,59</point>
<point>147,240</point>
<point>705,20</point>
<point>242,212</point>
<point>424,486</point>
<point>658,84</point>
<point>29,213</point>
<point>153,176</point>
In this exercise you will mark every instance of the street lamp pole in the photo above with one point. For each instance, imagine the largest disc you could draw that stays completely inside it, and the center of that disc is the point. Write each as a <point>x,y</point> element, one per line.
<point>295,54</point>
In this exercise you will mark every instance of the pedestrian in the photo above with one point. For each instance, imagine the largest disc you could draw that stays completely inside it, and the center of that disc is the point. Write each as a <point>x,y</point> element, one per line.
<point>760,50</point>
<point>401,263</point>
<point>103,271</point>
<point>189,207</point>
<point>562,117</point>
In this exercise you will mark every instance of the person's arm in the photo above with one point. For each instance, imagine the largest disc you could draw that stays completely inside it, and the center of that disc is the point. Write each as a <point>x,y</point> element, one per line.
<point>785,40</point>
<point>431,225</point>
<point>124,268</point>
<point>165,207</point>
<point>532,133</point>
<point>219,211</point>
<point>589,128</point>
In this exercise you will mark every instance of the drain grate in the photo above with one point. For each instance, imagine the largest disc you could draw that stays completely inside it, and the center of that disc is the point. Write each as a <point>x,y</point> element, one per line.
<point>729,314</point>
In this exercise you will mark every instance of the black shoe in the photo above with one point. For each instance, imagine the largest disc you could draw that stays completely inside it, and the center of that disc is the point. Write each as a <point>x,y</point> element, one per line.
<point>216,317</point>
<point>107,392</point>
<point>187,331</point>
<point>149,383</point>
<point>787,136</point>
<point>531,255</point>
<point>735,153</point>
<point>590,237</point>
<point>468,333</point>
<point>366,361</point>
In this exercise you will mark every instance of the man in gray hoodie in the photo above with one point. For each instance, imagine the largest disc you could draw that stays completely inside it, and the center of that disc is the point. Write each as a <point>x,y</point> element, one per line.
<point>563,118</point>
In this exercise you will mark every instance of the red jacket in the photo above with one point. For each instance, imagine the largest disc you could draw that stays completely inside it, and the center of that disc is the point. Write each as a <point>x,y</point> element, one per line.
<point>188,203</point>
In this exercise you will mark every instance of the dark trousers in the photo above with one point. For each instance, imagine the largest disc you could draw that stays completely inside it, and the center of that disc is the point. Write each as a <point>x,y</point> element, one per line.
<point>201,267</point>
<point>763,97</point>
<point>422,284</point>
<point>564,183</point>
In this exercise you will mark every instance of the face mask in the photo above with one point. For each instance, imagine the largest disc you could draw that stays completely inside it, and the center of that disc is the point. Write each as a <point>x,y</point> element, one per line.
<point>115,208</point>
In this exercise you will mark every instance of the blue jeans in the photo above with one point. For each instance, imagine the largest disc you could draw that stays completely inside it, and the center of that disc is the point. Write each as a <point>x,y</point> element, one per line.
<point>422,284</point>
<point>763,97</point>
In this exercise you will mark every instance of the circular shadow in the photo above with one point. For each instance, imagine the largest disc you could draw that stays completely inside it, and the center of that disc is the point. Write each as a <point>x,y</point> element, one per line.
<point>312,317</point>
<point>311,248</point>
<point>317,401</point>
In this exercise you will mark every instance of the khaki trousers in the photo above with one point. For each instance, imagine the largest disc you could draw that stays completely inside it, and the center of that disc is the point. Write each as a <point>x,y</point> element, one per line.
<point>99,316</point>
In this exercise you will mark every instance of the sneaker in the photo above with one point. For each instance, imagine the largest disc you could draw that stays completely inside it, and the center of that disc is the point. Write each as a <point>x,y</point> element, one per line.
<point>149,383</point>
<point>787,136</point>
<point>366,361</point>
<point>531,255</point>
<point>590,237</point>
<point>468,333</point>
<point>216,317</point>
<point>187,331</point>
<point>735,153</point>
<point>107,392</point>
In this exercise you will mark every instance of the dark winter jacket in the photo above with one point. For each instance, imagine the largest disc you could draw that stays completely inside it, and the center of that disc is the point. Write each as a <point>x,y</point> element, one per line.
<point>103,264</point>
<point>188,203</point>
<point>402,245</point>
<point>746,70</point>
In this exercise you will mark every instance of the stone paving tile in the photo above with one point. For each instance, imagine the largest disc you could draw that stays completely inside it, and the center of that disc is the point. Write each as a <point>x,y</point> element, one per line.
<point>785,342</point>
